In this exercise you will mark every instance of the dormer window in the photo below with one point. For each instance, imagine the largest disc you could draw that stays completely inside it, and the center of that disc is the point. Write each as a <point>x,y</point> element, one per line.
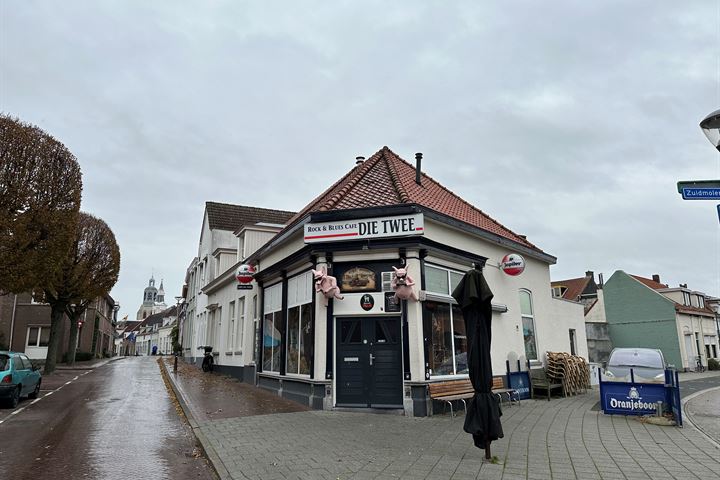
<point>686,299</point>
<point>701,301</point>
<point>559,291</point>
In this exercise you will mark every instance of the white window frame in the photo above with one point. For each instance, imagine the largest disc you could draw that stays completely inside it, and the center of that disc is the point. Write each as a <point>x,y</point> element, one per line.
<point>240,336</point>
<point>39,335</point>
<point>230,339</point>
<point>300,294</point>
<point>531,317</point>
<point>272,305</point>
<point>445,297</point>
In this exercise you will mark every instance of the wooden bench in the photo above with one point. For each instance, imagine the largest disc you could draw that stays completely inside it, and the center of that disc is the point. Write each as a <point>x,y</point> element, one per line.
<point>498,388</point>
<point>452,390</point>
<point>539,380</point>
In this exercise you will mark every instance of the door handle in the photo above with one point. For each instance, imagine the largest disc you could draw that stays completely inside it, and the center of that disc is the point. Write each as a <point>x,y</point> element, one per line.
<point>372,357</point>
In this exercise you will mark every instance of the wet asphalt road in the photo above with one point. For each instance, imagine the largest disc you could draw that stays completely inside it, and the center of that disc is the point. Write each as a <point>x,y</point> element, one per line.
<point>114,422</point>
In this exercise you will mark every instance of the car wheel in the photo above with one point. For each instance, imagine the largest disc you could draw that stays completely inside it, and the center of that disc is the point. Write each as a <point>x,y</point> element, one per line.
<point>36,392</point>
<point>15,399</point>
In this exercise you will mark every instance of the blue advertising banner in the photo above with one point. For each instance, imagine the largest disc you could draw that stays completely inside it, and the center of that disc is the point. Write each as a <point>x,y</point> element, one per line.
<point>631,398</point>
<point>520,381</point>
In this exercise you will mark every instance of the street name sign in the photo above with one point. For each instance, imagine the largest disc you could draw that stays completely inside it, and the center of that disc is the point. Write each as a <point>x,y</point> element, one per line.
<point>699,189</point>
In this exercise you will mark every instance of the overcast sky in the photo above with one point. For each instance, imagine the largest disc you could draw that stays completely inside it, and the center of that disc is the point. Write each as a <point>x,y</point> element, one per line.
<point>567,122</point>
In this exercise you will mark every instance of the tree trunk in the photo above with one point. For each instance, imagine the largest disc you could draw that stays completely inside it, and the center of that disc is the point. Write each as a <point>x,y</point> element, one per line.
<point>73,340</point>
<point>56,320</point>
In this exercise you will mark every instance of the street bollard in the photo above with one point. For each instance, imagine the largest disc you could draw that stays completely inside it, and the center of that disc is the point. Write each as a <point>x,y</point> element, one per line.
<point>175,364</point>
<point>659,408</point>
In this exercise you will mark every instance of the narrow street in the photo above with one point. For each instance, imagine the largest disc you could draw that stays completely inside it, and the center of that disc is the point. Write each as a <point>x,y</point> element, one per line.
<point>114,422</point>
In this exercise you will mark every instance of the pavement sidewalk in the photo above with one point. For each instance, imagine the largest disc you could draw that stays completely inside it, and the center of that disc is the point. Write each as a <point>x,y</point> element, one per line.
<point>249,433</point>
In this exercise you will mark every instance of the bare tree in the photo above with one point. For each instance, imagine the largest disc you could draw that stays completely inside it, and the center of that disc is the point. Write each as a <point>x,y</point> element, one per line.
<point>90,270</point>
<point>40,187</point>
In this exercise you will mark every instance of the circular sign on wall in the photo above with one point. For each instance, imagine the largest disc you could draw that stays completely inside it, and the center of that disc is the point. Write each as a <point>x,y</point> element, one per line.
<point>245,273</point>
<point>512,264</point>
<point>367,302</point>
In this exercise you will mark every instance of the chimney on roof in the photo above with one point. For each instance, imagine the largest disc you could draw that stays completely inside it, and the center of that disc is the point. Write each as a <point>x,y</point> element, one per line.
<point>600,280</point>
<point>418,164</point>
<point>359,160</point>
<point>683,285</point>
<point>656,277</point>
<point>591,274</point>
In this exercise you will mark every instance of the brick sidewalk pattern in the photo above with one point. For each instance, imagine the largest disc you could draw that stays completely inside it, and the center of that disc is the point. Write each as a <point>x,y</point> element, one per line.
<point>561,439</point>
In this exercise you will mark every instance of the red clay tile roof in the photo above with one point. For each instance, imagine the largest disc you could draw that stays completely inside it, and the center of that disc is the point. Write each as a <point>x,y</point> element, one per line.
<point>386,179</point>
<point>225,216</point>
<point>649,283</point>
<point>575,287</point>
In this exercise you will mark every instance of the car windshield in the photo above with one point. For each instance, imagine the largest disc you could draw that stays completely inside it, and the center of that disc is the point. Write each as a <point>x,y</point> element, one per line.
<point>4,360</point>
<point>636,358</point>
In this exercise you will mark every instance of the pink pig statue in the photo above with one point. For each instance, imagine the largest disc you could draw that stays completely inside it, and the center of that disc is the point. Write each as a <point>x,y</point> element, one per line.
<point>326,284</point>
<point>402,284</point>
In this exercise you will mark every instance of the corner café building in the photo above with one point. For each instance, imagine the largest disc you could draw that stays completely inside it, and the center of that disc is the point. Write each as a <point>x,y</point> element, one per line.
<point>367,351</point>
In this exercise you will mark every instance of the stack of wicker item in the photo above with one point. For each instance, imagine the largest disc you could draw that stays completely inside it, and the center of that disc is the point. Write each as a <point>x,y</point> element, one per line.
<point>570,370</point>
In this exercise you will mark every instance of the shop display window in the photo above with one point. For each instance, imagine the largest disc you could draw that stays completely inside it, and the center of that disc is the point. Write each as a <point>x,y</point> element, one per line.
<point>272,336</point>
<point>299,324</point>
<point>448,350</point>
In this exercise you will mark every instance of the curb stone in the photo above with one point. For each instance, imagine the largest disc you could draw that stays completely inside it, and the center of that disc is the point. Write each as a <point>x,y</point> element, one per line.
<point>687,416</point>
<point>205,444</point>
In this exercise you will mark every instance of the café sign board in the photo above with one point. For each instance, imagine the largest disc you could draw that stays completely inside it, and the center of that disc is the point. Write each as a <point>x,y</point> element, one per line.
<point>361,229</point>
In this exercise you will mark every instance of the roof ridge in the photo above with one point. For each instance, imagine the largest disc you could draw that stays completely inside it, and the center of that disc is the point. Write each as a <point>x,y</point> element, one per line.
<point>359,175</point>
<point>399,187</point>
<point>210,202</point>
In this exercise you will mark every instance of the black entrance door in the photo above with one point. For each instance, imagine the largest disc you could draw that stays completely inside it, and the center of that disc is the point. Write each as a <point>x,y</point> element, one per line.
<point>369,362</point>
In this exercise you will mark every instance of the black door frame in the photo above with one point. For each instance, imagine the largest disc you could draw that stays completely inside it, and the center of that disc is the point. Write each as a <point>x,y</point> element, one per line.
<point>336,356</point>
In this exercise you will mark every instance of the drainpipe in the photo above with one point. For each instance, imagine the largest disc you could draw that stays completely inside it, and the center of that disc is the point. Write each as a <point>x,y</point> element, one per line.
<point>12,324</point>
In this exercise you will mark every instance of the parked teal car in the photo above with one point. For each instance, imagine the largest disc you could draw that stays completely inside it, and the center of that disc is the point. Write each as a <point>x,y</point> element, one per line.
<point>18,377</point>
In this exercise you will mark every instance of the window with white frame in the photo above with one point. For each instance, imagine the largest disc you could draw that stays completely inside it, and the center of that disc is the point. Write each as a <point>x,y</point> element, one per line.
<point>528,325</point>
<point>38,336</point>
<point>272,338</point>
<point>701,301</point>
<point>256,330</point>
<point>299,324</point>
<point>230,335</point>
<point>240,336</point>
<point>448,355</point>
<point>686,298</point>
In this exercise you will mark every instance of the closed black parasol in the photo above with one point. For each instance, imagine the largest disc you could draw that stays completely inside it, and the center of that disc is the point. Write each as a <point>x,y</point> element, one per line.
<point>483,412</point>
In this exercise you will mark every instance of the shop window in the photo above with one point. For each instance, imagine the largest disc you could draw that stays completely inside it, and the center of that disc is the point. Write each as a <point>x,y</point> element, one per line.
<point>299,324</point>
<point>448,337</point>
<point>528,325</point>
<point>436,280</point>
<point>272,337</point>
<point>448,352</point>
